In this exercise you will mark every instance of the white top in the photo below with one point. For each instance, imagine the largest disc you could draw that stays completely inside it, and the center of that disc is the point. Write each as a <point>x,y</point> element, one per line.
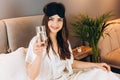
<point>51,68</point>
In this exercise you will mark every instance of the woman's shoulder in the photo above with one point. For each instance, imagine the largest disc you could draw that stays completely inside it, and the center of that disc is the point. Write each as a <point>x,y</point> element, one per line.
<point>33,39</point>
<point>68,42</point>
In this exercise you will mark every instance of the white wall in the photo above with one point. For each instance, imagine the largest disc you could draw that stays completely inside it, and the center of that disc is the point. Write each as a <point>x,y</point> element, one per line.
<point>16,8</point>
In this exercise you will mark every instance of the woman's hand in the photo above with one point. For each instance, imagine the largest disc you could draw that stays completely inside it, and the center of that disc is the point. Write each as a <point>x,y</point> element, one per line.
<point>103,66</point>
<point>38,47</point>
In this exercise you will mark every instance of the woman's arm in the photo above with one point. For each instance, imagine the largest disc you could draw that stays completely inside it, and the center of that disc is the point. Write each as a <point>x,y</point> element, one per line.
<point>83,65</point>
<point>33,68</point>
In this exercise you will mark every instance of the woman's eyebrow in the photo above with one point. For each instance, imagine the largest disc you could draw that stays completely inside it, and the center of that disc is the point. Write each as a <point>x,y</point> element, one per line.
<point>60,18</point>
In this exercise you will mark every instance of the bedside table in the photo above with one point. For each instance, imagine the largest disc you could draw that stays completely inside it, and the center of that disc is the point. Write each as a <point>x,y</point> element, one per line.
<point>81,52</point>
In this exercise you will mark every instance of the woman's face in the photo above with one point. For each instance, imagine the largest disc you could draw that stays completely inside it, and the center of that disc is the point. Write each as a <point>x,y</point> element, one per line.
<point>55,23</point>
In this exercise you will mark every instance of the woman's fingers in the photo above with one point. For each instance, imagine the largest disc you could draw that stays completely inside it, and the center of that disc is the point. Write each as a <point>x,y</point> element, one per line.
<point>38,47</point>
<point>104,66</point>
<point>107,66</point>
<point>39,44</point>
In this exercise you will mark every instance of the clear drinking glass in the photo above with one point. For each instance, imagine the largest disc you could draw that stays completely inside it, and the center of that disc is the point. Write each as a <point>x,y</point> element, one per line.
<point>41,34</point>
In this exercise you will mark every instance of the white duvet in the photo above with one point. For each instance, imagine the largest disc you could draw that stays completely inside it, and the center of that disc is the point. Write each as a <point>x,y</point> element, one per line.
<point>12,65</point>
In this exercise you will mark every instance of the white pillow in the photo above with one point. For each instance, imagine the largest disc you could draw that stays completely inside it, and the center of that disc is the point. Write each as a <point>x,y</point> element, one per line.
<point>12,65</point>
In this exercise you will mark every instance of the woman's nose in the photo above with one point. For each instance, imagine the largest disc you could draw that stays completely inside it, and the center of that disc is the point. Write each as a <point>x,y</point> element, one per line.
<point>55,23</point>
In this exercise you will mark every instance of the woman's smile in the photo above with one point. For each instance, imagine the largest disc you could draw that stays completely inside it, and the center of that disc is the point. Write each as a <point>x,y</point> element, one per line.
<point>55,28</point>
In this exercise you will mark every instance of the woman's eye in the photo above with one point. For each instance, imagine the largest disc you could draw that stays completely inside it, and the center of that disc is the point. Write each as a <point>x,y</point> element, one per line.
<point>50,19</point>
<point>60,19</point>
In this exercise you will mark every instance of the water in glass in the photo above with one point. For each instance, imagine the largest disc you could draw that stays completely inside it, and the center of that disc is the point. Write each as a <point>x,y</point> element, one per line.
<point>41,34</point>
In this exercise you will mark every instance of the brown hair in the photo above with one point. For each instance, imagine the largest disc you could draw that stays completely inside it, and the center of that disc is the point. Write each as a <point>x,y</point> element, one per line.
<point>62,37</point>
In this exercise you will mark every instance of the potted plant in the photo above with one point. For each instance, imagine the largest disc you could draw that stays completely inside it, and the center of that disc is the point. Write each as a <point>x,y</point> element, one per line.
<point>90,30</point>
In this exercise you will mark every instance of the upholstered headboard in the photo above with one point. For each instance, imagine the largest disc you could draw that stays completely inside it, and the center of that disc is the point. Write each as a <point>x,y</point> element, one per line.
<point>17,32</point>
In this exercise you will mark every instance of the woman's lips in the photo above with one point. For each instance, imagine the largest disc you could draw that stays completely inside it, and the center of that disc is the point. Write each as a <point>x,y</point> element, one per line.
<point>55,28</point>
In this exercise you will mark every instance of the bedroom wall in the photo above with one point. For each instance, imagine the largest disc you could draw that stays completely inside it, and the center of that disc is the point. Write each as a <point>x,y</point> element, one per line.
<point>17,8</point>
<point>91,7</point>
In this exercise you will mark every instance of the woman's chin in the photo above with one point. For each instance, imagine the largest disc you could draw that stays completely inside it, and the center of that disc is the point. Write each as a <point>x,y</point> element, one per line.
<point>54,31</point>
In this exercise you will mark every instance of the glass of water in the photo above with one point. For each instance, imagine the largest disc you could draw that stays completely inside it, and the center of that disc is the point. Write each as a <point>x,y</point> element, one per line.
<point>41,34</point>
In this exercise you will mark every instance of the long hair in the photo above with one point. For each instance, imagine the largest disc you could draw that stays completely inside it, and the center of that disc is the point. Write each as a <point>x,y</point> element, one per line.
<point>62,35</point>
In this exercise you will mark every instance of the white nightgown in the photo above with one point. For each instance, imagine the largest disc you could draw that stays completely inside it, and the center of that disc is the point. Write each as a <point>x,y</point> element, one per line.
<point>52,68</point>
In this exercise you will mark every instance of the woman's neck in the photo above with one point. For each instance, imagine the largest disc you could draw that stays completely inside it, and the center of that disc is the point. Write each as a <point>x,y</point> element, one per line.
<point>54,42</point>
<point>53,37</point>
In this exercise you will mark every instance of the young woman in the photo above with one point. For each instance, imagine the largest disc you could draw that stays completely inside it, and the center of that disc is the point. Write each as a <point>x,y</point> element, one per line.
<point>55,61</point>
